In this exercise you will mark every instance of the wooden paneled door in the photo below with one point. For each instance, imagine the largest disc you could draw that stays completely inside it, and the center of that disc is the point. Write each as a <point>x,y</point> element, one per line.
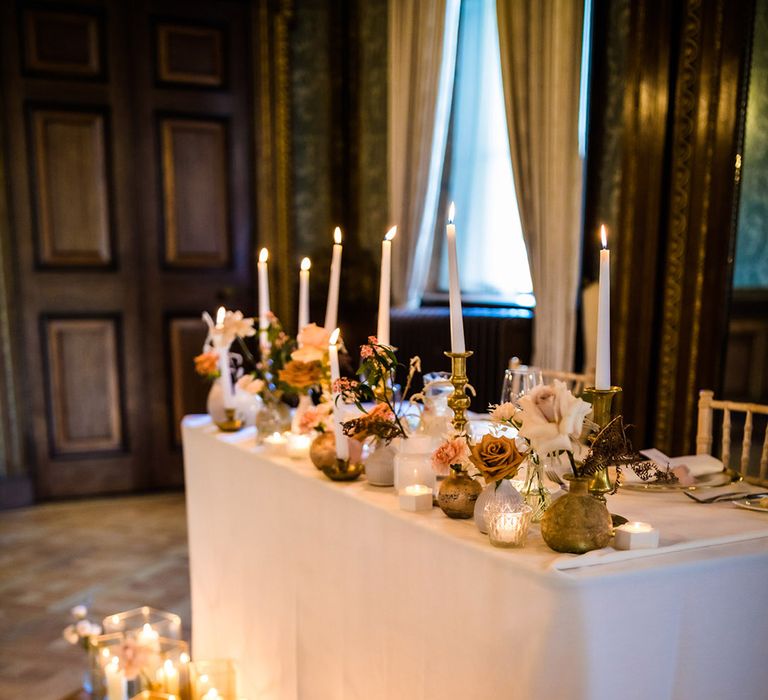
<point>129,162</point>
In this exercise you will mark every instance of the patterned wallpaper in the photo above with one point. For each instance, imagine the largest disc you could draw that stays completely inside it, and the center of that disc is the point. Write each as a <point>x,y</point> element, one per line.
<point>751,267</point>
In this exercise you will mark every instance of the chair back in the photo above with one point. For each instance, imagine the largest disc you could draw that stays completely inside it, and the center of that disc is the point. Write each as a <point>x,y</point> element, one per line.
<point>707,406</point>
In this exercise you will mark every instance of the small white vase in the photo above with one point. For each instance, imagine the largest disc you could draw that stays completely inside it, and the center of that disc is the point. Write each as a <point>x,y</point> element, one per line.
<point>380,464</point>
<point>215,402</point>
<point>505,490</point>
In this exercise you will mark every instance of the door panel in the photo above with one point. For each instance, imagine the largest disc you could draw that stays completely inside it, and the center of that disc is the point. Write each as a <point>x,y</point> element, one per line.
<point>70,184</point>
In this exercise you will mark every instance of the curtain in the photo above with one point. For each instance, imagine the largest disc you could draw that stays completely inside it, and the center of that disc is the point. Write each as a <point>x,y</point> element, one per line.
<point>541,44</point>
<point>422,55</point>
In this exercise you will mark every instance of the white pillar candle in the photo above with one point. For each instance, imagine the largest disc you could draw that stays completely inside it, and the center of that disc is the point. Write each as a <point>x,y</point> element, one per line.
<point>385,287</point>
<point>263,277</point>
<point>603,358</point>
<point>117,685</point>
<point>454,289</point>
<point>342,448</point>
<point>304,293</point>
<point>636,535</point>
<point>222,348</point>
<point>332,306</point>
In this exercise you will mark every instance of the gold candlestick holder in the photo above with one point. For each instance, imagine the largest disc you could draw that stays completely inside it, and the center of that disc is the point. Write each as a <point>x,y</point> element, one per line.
<point>459,400</point>
<point>603,412</point>
<point>230,424</point>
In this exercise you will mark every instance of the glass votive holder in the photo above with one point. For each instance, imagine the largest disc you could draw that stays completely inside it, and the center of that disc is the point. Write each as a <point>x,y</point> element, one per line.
<point>508,524</point>
<point>213,679</point>
<point>298,444</point>
<point>413,463</point>
<point>123,665</point>
<point>144,620</point>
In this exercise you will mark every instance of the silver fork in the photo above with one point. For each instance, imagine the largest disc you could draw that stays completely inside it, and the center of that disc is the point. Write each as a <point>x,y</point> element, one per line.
<point>552,475</point>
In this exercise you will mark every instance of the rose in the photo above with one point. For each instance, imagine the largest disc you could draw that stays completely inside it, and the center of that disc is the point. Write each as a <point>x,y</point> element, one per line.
<point>452,453</point>
<point>301,375</point>
<point>551,417</point>
<point>206,364</point>
<point>253,385</point>
<point>315,336</point>
<point>316,418</point>
<point>496,457</point>
<point>503,412</point>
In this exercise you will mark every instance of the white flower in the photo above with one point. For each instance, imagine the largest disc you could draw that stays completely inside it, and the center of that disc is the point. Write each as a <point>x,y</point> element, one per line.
<point>95,629</point>
<point>251,384</point>
<point>235,325</point>
<point>83,628</point>
<point>79,612</point>
<point>503,412</point>
<point>551,416</point>
<point>70,634</point>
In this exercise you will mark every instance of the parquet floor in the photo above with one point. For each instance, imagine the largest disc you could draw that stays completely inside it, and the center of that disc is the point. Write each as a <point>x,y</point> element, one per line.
<point>111,554</point>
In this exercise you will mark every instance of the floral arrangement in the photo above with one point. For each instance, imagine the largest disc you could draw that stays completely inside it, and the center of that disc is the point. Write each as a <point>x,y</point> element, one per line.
<point>232,325</point>
<point>79,633</point>
<point>378,364</point>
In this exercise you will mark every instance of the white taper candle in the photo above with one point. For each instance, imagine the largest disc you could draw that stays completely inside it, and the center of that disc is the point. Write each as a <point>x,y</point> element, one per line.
<point>454,289</point>
<point>304,293</point>
<point>385,287</point>
<point>332,306</point>
<point>603,357</point>
<point>263,277</point>
<point>342,448</point>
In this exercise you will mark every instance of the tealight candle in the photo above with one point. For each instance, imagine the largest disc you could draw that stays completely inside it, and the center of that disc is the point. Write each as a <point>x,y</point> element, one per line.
<point>636,535</point>
<point>298,445</point>
<point>508,527</point>
<point>415,497</point>
<point>275,442</point>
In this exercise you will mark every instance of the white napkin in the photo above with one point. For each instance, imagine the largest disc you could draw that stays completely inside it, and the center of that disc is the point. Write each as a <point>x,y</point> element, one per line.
<point>697,465</point>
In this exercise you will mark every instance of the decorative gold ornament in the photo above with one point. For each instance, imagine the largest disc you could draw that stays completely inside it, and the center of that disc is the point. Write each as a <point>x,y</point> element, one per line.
<point>322,451</point>
<point>459,401</point>
<point>458,494</point>
<point>230,424</point>
<point>343,470</point>
<point>602,414</point>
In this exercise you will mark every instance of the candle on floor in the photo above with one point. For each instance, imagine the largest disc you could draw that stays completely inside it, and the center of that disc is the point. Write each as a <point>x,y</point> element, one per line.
<point>636,535</point>
<point>304,293</point>
<point>385,287</point>
<point>117,685</point>
<point>332,305</point>
<point>298,445</point>
<point>264,306</point>
<point>222,348</point>
<point>416,497</point>
<point>342,447</point>
<point>454,289</point>
<point>603,357</point>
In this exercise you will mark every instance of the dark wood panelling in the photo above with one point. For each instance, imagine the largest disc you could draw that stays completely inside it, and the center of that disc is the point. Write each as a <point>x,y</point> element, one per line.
<point>63,44</point>
<point>71,187</point>
<point>190,55</point>
<point>195,192</point>
<point>83,385</point>
<point>188,390</point>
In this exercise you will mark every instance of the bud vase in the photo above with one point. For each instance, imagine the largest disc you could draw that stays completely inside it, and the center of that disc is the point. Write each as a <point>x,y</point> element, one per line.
<point>534,492</point>
<point>577,522</point>
<point>457,495</point>
<point>273,417</point>
<point>495,491</point>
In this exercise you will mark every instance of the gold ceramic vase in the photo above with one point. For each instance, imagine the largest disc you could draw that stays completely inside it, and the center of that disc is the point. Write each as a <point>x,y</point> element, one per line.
<point>457,495</point>
<point>577,522</point>
<point>322,451</point>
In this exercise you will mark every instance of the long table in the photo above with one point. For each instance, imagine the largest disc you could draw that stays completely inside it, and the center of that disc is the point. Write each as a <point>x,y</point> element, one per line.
<point>322,590</point>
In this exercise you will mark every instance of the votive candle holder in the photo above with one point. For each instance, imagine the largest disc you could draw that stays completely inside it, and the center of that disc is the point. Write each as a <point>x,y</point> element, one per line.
<point>508,526</point>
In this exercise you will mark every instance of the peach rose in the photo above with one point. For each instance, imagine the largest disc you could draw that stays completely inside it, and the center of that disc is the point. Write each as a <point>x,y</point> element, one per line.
<point>301,375</point>
<point>452,453</point>
<point>496,457</point>
<point>207,364</point>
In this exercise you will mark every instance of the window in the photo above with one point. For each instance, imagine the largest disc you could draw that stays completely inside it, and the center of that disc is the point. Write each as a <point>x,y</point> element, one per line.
<point>478,174</point>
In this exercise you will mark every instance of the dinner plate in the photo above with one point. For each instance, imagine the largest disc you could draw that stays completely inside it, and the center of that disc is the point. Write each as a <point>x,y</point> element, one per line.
<point>706,481</point>
<point>753,504</point>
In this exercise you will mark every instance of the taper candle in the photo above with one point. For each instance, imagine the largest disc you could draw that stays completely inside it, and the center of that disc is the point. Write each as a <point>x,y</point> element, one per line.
<point>332,306</point>
<point>304,293</point>
<point>385,287</point>
<point>454,290</point>
<point>603,357</point>
<point>263,276</point>
<point>342,448</point>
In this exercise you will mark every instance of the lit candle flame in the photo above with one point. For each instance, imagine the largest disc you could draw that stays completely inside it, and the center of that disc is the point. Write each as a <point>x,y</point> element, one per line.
<point>603,236</point>
<point>335,337</point>
<point>391,234</point>
<point>169,667</point>
<point>220,314</point>
<point>184,657</point>
<point>337,236</point>
<point>451,213</point>
<point>306,263</point>
<point>263,255</point>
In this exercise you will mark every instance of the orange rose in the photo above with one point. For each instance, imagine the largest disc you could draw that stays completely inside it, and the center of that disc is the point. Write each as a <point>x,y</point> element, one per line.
<point>496,457</point>
<point>301,375</point>
<point>207,364</point>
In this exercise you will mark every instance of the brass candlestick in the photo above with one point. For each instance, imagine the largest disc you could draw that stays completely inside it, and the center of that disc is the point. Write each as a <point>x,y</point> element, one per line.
<point>459,401</point>
<point>230,424</point>
<point>602,414</point>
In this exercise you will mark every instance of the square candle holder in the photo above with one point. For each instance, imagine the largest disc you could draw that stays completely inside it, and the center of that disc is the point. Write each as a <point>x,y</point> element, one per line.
<point>214,679</point>
<point>144,619</point>
<point>416,497</point>
<point>635,535</point>
<point>125,664</point>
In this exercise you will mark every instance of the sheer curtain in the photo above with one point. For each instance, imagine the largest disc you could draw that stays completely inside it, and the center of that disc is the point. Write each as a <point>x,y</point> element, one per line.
<point>422,55</point>
<point>480,181</point>
<point>540,44</point>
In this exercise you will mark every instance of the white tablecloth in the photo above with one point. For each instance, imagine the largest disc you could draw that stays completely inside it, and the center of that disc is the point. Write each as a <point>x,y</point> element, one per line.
<point>327,591</point>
